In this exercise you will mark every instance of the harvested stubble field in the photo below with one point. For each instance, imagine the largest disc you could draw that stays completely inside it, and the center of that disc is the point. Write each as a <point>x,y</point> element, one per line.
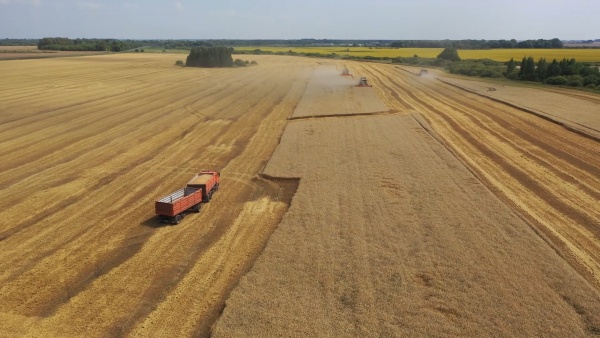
<point>87,144</point>
<point>543,168</point>
<point>387,233</point>
<point>331,94</point>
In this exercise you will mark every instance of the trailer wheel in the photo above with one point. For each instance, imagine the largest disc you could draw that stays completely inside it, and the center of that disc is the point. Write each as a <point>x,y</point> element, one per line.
<point>177,219</point>
<point>196,208</point>
<point>216,187</point>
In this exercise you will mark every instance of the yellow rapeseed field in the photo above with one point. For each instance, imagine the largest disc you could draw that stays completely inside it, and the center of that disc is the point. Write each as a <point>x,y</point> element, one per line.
<point>582,55</point>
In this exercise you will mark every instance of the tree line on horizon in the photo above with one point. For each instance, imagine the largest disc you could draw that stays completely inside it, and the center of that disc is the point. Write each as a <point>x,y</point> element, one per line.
<point>479,44</point>
<point>115,45</point>
<point>108,45</point>
<point>459,44</point>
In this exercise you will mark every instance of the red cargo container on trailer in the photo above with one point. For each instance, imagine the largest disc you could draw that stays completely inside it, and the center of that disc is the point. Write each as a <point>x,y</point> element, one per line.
<point>200,189</point>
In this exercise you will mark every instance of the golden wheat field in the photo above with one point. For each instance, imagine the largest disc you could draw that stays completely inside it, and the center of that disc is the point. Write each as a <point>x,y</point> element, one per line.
<point>86,146</point>
<point>582,55</point>
<point>404,240</point>
<point>417,207</point>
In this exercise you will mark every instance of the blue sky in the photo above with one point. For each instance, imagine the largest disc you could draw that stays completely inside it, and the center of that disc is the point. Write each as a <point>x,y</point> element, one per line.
<point>320,19</point>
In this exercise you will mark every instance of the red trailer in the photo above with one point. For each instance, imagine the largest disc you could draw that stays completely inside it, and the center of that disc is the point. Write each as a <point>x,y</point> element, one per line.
<point>200,189</point>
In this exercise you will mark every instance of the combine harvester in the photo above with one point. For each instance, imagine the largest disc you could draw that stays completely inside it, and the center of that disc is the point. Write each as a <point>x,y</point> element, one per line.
<point>346,72</point>
<point>200,189</point>
<point>363,82</point>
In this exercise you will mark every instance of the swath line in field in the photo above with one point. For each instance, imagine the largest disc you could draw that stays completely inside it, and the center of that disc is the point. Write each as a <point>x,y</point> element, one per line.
<point>389,112</point>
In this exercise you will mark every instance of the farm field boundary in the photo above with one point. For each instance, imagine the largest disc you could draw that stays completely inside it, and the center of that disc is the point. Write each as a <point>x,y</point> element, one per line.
<point>581,129</point>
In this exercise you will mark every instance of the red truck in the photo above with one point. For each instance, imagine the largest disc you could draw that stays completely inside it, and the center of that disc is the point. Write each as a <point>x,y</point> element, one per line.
<point>198,190</point>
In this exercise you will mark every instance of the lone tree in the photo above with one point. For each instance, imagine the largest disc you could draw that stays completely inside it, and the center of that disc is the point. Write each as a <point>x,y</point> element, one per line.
<point>449,54</point>
<point>511,66</point>
<point>210,57</point>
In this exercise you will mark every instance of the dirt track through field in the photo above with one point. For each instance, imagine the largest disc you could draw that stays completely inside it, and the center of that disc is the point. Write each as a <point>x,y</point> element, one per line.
<point>87,144</point>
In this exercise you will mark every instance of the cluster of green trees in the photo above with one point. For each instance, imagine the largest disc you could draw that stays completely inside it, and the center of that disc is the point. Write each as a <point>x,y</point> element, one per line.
<point>218,56</point>
<point>567,72</point>
<point>183,44</point>
<point>450,54</point>
<point>478,44</point>
<point>479,68</point>
<point>109,45</point>
<point>540,43</point>
<point>210,57</point>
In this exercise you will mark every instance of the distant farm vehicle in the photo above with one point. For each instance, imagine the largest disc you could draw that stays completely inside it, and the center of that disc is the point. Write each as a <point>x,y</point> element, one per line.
<point>346,72</point>
<point>363,82</point>
<point>423,72</point>
<point>199,189</point>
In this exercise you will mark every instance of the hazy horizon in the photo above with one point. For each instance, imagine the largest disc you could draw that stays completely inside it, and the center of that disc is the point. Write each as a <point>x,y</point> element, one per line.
<point>310,19</point>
